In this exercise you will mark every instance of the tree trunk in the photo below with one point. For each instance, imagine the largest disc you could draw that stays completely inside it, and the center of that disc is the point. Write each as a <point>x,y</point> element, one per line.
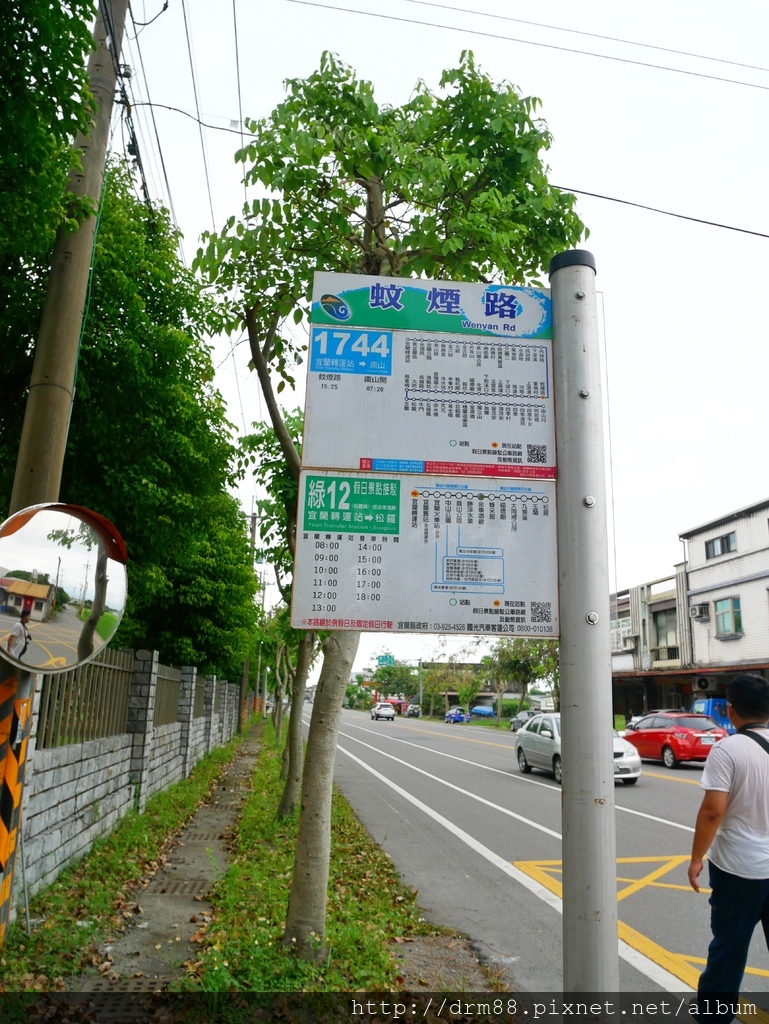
<point>85,643</point>
<point>294,745</point>
<point>306,917</point>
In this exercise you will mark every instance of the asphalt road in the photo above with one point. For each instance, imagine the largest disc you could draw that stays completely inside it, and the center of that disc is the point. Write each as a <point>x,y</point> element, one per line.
<point>481,844</point>
<point>53,644</point>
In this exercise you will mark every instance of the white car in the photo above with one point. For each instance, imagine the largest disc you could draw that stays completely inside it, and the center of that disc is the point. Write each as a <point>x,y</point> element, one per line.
<point>538,745</point>
<point>386,711</point>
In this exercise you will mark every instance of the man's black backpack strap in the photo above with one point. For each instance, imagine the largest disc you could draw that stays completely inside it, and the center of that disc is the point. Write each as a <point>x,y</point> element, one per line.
<point>747,730</point>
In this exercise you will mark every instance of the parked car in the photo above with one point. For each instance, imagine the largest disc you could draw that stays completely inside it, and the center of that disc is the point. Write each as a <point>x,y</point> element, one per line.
<point>672,737</point>
<point>383,710</point>
<point>483,711</point>
<point>413,711</point>
<point>456,715</point>
<point>538,745</point>
<point>521,719</point>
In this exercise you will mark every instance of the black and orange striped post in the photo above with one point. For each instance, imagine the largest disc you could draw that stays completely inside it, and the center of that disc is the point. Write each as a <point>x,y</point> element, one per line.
<point>17,690</point>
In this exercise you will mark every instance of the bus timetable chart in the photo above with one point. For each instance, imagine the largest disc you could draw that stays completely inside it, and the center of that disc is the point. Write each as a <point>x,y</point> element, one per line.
<point>423,554</point>
<point>409,401</point>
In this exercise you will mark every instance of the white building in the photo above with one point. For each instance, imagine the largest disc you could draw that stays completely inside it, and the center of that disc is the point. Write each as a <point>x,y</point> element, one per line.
<point>727,588</point>
<point>691,632</point>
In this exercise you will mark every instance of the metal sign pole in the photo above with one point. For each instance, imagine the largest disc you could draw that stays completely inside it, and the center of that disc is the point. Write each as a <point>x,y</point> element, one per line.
<point>590,947</point>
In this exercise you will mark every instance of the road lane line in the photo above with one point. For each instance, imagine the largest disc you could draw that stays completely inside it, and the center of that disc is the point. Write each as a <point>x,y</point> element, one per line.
<point>508,775</point>
<point>457,789</point>
<point>665,979</point>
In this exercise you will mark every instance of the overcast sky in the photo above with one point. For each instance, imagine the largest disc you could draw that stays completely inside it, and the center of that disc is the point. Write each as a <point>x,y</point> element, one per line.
<point>685,325</point>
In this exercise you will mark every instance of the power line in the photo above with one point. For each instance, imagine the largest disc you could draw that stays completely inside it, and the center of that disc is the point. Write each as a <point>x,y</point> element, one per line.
<point>155,127</point>
<point>144,24</point>
<point>530,42</point>
<point>178,110</point>
<point>665,213</point>
<point>197,109</point>
<point>576,191</point>
<point>591,35</point>
<point>240,100</point>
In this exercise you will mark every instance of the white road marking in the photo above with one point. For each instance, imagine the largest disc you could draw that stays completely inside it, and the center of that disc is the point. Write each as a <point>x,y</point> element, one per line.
<point>500,771</point>
<point>641,963</point>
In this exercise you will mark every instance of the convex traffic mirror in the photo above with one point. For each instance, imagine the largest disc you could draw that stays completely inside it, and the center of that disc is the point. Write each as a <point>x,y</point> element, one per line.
<point>62,586</point>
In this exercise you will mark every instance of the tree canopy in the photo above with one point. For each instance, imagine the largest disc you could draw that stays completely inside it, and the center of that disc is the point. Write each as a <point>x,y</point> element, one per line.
<point>150,446</point>
<point>451,185</point>
<point>44,100</point>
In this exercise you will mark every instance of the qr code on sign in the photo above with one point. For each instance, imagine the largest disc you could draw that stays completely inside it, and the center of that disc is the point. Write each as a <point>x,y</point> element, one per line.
<point>536,453</point>
<point>540,611</point>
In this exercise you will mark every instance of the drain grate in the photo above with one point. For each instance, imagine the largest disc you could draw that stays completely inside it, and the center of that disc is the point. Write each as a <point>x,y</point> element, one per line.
<point>202,837</point>
<point>179,887</point>
<point>106,992</point>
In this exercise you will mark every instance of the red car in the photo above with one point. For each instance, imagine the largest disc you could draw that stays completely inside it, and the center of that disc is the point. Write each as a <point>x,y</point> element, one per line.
<point>672,737</point>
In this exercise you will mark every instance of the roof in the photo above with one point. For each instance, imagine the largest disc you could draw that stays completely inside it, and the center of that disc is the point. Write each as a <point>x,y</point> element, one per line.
<point>731,517</point>
<point>26,589</point>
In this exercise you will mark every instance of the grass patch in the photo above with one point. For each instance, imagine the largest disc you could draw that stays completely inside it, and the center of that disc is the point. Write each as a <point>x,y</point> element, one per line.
<point>85,902</point>
<point>368,908</point>
<point>106,625</point>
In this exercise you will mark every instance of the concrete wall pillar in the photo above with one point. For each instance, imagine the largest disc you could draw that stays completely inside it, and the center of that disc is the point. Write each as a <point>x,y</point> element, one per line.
<point>209,709</point>
<point>141,718</point>
<point>184,715</point>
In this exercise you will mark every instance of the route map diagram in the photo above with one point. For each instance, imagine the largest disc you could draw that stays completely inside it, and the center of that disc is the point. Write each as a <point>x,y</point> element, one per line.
<point>477,558</point>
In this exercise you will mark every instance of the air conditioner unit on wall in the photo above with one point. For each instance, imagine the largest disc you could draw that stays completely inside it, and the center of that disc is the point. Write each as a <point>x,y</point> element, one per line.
<point>629,643</point>
<point>705,684</point>
<point>700,612</point>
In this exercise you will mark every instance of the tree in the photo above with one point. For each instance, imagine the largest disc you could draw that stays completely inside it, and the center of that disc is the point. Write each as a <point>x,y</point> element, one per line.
<point>517,661</point>
<point>277,531</point>
<point>149,445</point>
<point>435,683</point>
<point>44,101</point>
<point>391,680</point>
<point>468,685</point>
<point>449,185</point>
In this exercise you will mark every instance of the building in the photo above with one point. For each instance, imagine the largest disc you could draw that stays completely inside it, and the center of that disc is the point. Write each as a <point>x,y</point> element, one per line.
<point>728,591</point>
<point>689,633</point>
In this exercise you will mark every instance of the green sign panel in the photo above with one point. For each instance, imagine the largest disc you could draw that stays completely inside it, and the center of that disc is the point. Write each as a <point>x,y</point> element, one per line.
<point>351,504</point>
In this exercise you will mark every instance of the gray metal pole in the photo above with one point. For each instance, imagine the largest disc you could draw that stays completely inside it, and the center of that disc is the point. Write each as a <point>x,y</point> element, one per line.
<point>590,948</point>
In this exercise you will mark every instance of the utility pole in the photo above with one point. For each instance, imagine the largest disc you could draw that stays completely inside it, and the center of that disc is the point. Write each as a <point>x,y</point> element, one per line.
<point>590,945</point>
<point>46,417</point>
<point>47,413</point>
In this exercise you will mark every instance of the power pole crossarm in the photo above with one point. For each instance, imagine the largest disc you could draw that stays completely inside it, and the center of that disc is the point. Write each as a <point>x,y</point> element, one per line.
<point>46,418</point>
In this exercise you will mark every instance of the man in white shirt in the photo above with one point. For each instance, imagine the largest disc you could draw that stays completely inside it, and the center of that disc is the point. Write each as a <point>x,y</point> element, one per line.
<point>732,827</point>
<point>18,638</point>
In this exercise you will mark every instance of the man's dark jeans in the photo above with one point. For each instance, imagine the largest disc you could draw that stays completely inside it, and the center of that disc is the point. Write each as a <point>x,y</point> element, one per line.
<point>737,905</point>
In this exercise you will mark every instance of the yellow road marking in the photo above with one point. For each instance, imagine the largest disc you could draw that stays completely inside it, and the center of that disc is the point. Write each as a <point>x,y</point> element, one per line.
<point>680,965</point>
<point>672,778</point>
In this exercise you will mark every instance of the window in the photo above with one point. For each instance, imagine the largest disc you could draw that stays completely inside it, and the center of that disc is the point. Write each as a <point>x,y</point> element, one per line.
<point>721,545</point>
<point>666,635</point>
<point>728,618</point>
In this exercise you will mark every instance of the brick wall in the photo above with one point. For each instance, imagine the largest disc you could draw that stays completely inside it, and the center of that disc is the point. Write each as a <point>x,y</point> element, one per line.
<point>74,794</point>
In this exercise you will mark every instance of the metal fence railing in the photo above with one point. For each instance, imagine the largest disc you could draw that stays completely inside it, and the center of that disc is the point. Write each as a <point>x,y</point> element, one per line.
<point>86,703</point>
<point>167,701</point>
<point>198,708</point>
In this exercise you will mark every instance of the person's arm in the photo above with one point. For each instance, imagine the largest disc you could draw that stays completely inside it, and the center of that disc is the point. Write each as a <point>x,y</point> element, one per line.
<point>709,817</point>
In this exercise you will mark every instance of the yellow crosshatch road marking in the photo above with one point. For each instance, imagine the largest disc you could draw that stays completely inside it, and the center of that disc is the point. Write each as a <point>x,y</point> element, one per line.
<point>681,965</point>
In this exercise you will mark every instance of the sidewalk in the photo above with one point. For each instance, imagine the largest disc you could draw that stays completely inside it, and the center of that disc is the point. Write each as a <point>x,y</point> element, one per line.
<point>167,912</point>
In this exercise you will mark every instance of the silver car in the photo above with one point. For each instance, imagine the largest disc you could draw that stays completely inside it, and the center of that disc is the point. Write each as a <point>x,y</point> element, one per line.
<point>538,745</point>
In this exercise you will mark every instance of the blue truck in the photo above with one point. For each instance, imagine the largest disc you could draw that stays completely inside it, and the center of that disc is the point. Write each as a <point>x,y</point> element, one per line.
<point>715,708</point>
